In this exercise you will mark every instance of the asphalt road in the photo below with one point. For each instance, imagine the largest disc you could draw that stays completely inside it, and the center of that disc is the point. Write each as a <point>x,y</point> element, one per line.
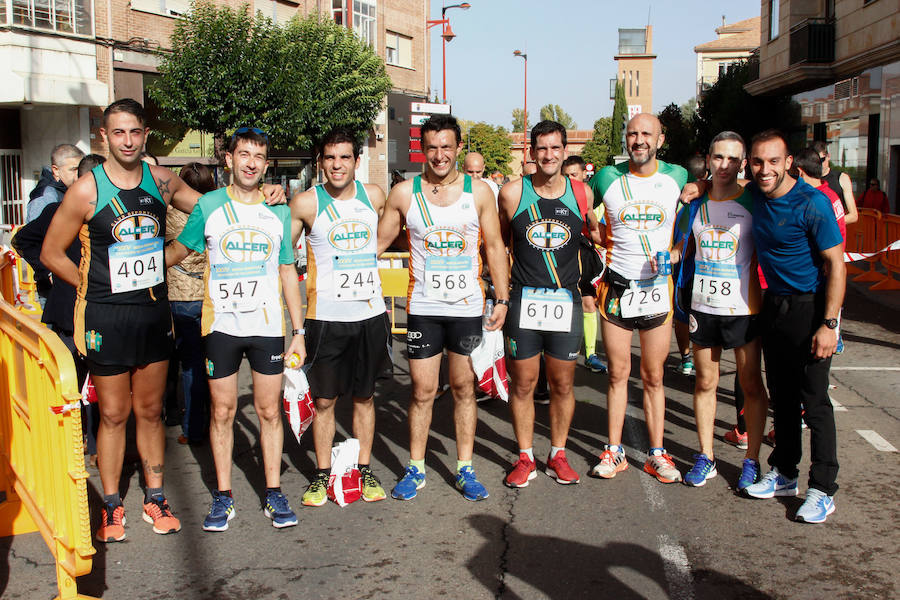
<point>629,537</point>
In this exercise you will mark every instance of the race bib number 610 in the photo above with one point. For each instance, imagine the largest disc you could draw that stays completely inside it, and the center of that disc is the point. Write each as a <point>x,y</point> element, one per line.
<point>546,309</point>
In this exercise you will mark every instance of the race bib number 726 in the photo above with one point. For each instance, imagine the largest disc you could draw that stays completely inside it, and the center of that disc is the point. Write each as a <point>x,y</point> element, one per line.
<point>645,297</point>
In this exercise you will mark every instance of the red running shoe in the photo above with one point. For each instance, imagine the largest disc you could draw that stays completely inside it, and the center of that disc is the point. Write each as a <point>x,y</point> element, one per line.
<point>112,524</point>
<point>522,472</point>
<point>558,468</point>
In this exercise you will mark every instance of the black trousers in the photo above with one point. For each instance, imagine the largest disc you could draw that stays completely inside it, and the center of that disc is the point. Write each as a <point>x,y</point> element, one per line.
<point>799,382</point>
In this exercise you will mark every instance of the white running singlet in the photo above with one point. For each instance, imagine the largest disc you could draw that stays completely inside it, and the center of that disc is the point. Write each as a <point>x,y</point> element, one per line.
<point>343,282</point>
<point>640,215</point>
<point>444,258</point>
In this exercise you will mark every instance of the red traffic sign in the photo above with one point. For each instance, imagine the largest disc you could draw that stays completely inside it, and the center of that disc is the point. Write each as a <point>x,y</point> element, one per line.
<point>589,166</point>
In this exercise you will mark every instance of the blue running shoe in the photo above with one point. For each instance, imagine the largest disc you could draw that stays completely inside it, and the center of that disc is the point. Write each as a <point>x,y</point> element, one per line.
<point>702,470</point>
<point>594,363</point>
<point>409,485</point>
<point>816,508</point>
<point>278,509</point>
<point>772,484</point>
<point>749,474</point>
<point>468,484</point>
<point>221,511</point>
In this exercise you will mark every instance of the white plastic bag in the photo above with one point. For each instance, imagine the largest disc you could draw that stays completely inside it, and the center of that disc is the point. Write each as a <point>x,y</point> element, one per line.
<point>298,403</point>
<point>344,485</point>
<point>489,364</point>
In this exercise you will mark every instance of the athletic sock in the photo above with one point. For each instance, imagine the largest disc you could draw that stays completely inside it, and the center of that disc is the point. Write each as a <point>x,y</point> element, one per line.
<point>274,490</point>
<point>554,450</point>
<point>153,492</point>
<point>590,334</point>
<point>529,452</point>
<point>418,464</point>
<point>617,448</point>
<point>225,493</point>
<point>112,499</point>
<point>462,463</point>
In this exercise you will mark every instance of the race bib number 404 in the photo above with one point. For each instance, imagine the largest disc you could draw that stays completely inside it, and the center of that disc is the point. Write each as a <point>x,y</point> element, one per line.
<point>355,277</point>
<point>136,265</point>
<point>239,287</point>
<point>449,278</point>
<point>716,285</point>
<point>546,309</point>
<point>646,297</point>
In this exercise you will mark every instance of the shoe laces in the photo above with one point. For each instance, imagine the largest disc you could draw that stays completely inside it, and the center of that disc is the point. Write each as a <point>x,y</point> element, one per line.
<point>467,474</point>
<point>663,460</point>
<point>609,456</point>
<point>368,478</point>
<point>411,471</point>
<point>112,515</point>
<point>158,507</point>
<point>702,462</point>
<point>278,501</point>
<point>815,496</point>
<point>320,482</point>
<point>220,502</point>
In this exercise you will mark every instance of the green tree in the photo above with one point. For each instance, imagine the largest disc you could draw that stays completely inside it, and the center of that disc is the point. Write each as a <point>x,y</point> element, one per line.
<point>726,106</point>
<point>619,118</point>
<point>680,141</point>
<point>518,120</point>
<point>554,112</point>
<point>493,144</point>
<point>596,150</point>
<point>228,69</point>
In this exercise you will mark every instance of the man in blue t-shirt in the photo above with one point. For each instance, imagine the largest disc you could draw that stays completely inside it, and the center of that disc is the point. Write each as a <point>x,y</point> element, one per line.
<point>799,247</point>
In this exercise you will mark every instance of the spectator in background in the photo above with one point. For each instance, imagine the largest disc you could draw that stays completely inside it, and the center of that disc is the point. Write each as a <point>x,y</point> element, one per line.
<point>186,299</point>
<point>54,181</point>
<point>497,178</point>
<point>873,197</point>
<point>473,165</point>
<point>59,309</point>
<point>838,181</point>
<point>51,187</point>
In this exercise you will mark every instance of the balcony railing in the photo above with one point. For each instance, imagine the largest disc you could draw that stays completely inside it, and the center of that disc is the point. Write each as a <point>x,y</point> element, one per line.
<point>812,41</point>
<point>61,16</point>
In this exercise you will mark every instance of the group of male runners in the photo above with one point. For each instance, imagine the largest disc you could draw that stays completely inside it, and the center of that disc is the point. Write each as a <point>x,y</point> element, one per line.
<point>530,238</point>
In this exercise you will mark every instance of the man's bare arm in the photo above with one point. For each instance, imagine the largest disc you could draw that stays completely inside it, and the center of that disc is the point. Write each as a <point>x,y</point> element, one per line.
<point>376,197</point>
<point>174,190</point>
<point>391,218</point>
<point>175,253</point>
<point>303,212</point>
<point>77,207</point>
<point>291,288</point>
<point>852,215</point>
<point>824,341</point>
<point>497,260</point>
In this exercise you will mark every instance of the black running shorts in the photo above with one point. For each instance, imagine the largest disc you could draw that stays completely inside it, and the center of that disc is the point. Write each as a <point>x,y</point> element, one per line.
<point>346,357</point>
<point>722,331</point>
<point>114,338</point>
<point>224,354</point>
<point>428,336</point>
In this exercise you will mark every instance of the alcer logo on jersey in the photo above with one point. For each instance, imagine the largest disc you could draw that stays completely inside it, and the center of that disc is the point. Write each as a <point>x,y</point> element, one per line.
<point>548,234</point>
<point>642,216</point>
<point>135,226</point>
<point>444,242</point>
<point>718,244</point>
<point>246,244</point>
<point>349,235</point>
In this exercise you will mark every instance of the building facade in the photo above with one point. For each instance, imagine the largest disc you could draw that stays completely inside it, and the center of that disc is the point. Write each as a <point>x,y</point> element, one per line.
<point>66,60</point>
<point>734,43</point>
<point>840,60</point>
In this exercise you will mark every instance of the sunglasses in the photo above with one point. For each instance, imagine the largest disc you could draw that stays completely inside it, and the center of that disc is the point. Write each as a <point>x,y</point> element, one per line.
<point>255,130</point>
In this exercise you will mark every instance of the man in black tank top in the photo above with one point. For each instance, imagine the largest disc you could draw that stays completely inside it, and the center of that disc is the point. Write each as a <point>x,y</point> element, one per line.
<point>839,182</point>
<point>541,219</point>
<point>122,319</point>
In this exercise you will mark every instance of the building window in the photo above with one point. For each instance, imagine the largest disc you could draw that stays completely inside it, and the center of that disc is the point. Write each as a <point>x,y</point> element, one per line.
<point>398,50</point>
<point>630,84</point>
<point>64,16</point>
<point>637,83</point>
<point>337,11</point>
<point>169,8</point>
<point>774,15</point>
<point>364,20</point>
<point>279,12</point>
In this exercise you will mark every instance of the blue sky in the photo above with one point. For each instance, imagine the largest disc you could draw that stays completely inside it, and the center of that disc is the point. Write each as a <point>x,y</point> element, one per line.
<point>570,46</point>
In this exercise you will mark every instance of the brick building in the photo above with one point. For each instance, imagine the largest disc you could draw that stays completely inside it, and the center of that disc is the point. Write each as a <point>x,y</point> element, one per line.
<point>67,60</point>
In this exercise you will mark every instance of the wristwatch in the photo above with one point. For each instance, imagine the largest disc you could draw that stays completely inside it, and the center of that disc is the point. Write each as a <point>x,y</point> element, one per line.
<point>830,323</point>
<point>300,331</point>
<point>504,302</point>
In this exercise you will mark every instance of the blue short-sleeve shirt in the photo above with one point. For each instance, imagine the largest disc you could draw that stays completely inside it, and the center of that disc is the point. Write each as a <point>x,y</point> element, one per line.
<point>790,233</point>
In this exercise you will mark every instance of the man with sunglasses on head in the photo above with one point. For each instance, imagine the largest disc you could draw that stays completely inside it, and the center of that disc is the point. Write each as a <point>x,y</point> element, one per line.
<point>251,266</point>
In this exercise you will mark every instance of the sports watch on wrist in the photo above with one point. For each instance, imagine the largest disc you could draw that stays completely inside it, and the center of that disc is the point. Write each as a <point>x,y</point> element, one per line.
<point>830,323</point>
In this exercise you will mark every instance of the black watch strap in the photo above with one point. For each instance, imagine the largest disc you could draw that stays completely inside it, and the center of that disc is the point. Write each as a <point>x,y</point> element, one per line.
<point>504,302</point>
<point>830,323</point>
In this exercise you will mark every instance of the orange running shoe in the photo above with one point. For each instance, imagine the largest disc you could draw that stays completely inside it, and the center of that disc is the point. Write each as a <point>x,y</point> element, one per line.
<point>112,524</point>
<point>662,467</point>
<point>611,462</point>
<point>158,513</point>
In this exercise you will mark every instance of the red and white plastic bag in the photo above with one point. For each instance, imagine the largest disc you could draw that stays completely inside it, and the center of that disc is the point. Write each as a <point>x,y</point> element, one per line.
<point>345,483</point>
<point>298,403</point>
<point>489,364</point>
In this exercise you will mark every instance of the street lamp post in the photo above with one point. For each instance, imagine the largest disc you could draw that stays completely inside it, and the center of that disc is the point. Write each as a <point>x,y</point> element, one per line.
<point>447,35</point>
<point>525,116</point>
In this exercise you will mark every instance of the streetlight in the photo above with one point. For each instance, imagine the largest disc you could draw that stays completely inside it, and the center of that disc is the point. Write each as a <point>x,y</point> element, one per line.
<point>447,35</point>
<point>525,122</point>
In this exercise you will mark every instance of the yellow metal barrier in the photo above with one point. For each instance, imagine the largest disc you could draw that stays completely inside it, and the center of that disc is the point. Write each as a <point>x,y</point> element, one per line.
<point>27,299</point>
<point>41,453</point>
<point>394,284</point>
<point>7,275</point>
